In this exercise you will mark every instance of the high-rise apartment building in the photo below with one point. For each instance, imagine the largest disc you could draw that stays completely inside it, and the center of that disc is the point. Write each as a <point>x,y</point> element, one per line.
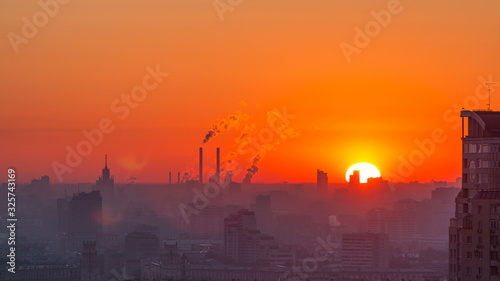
<point>84,219</point>
<point>474,248</point>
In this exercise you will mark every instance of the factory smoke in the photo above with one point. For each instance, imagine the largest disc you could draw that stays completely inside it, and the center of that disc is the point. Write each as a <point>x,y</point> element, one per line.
<point>249,139</point>
<point>233,121</point>
<point>282,133</point>
<point>252,170</point>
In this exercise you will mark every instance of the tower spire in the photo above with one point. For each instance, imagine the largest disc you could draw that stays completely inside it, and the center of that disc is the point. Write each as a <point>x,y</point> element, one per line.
<point>105,161</point>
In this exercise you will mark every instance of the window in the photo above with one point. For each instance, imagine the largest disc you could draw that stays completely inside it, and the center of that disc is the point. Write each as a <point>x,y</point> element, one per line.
<point>469,239</point>
<point>469,255</point>
<point>479,211</point>
<point>483,178</point>
<point>486,148</point>
<point>464,178</point>
<point>472,148</point>
<point>464,161</point>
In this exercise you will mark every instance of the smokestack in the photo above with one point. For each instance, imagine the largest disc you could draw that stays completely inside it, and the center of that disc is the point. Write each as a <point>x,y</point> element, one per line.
<point>201,165</point>
<point>218,166</point>
<point>179,177</point>
<point>169,177</point>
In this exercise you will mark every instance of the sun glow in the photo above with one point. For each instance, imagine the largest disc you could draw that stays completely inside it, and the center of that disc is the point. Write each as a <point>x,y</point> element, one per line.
<point>366,170</point>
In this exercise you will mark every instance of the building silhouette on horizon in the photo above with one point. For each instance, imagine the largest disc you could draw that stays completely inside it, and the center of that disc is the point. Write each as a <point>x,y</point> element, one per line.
<point>105,181</point>
<point>321,180</point>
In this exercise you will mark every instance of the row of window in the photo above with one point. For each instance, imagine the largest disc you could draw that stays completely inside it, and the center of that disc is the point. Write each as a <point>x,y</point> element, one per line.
<point>494,240</point>
<point>481,163</point>
<point>478,254</point>
<point>480,178</point>
<point>481,148</point>
<point>469,269</point>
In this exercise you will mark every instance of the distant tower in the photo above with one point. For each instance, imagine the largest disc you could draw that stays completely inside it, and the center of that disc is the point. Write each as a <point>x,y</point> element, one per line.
<point>105,180</point>
<point>88,265</point>
<point>217,179</point>
<point>201,165</point>
<point>105,185</point>
<point>321,180</point>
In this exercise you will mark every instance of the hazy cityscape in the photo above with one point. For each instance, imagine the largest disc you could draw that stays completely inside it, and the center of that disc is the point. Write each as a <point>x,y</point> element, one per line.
<point>237,140</point>
<point>225,230</point>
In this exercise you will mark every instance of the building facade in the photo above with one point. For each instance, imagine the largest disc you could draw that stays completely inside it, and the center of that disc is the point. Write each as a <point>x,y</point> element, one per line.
<point>84,219</point>
<point>473,239</point>
<point>365,251</point>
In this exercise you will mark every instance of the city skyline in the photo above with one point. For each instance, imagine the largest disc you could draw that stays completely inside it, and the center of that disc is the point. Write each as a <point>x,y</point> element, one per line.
<point>234,140</point>
<point>344,82</point>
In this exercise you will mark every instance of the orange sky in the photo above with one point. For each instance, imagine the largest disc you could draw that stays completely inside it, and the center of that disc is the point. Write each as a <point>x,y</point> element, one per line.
<point>262,55</point>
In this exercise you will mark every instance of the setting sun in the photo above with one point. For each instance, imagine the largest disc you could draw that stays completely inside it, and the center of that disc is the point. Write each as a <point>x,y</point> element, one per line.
<point>366,170</point>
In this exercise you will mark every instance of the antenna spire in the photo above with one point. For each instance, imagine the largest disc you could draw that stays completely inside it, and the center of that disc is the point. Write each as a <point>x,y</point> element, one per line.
<point>489,93</point>
<point>105,161</point>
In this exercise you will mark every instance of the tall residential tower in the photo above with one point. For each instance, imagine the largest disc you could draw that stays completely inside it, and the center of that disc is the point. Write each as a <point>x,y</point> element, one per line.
<point>475,230</point>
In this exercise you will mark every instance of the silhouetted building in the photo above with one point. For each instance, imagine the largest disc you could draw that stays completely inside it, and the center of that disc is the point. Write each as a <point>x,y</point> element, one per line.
<point>89,265</point>
<point>84,219</point>
<point>321,180</point>
<point>43,181</point>
<point>105,181</point>
<point>140,246</point>
<point>365,251</point>
<point>62,224</point>
<point>208,223</point>
<point>473,237</point>
<point>105,185</point>
<point>241,238</point>
<point>174,263</point>
<point>354,179</point>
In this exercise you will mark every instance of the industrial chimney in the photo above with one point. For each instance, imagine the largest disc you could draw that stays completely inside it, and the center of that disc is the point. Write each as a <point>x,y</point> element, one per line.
<point>217,175</point>
<point>201,165</point>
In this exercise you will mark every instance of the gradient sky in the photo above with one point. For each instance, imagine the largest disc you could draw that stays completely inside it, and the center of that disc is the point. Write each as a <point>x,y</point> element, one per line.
<point>262,55</point>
